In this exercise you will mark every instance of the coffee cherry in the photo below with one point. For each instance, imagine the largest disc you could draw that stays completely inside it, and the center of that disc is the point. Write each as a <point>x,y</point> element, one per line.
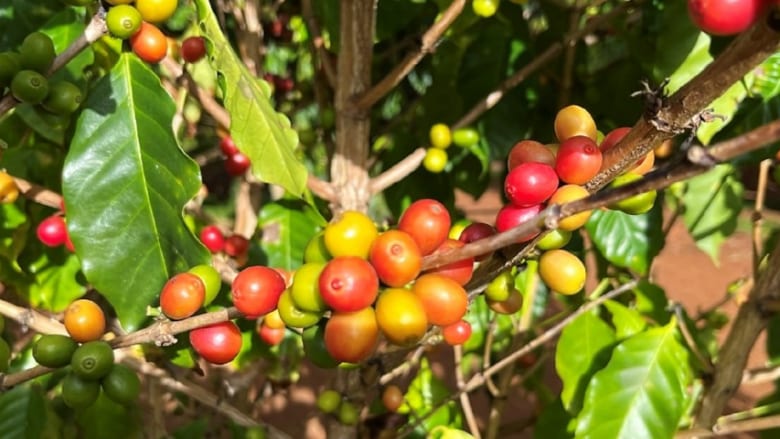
<point>193,49</point>
<point>52,231</point>
<point>212,238</point>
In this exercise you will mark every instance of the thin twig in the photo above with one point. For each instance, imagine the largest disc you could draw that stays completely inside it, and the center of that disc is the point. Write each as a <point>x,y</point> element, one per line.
<point>569,53</point>
<point>318,42</point>
<point>760,375</point>
<point>659,179</point>
<point>29,318</point>
<point>758,220</point>
<point>427,45</point>
<point>478,379</point>
<point>757,424</point>
<point>465,401</point>
<point>398,172</point>
<point>705,361</point>
<point>403,368</point>
<point>186,387</point>
<point>162,329</point>
<point>540,61</point>
<point>37,193</point>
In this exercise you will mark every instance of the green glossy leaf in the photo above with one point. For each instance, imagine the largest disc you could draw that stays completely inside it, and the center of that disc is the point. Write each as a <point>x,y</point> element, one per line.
<point>22,412</point>
<point>628,241</point>
<point>642,392</point>
<point>128,181</point>
<point>261,133</point>
<point>651,301</point>
<point>627,321</point>
<point>554,422</point>
<point>712,202</point>
<point>287,227</point>
<point>20,17</point>
<point>583,349</point>
<point>56,286</point>
<point>767,78</point>
<point>424,392</point>
<point>46,125</point>
<point>680,49</point>
<point>106,415</point>
<point>695,62</point>
<point>13,231</point>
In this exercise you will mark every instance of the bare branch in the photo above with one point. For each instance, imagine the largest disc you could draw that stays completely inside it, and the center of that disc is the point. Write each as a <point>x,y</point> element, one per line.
<point>540,61</point>
<point>428,45</point>
<point>163,329</point>
<point>756,424</point>
<point>465,401</point>
<point>549,217</point>
<point>751,319</point>
<point>744,53</point>
<point>37,193</point>
<point>30,318</point>
<point>397,172</point>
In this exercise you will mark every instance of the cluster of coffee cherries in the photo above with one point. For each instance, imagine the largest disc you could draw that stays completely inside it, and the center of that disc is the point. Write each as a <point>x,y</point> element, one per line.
<point>25,72</point>
<point>89,359</point>
<point>236,163</point>
<point>355,284</point>
<point>541,175</point>
<point>235,246</point>
<point>441,136</point>
<point>187,293</point>
<point>137,22</point>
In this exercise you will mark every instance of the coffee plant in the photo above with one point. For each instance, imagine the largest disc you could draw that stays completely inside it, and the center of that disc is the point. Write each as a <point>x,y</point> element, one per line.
<point>210,207</point>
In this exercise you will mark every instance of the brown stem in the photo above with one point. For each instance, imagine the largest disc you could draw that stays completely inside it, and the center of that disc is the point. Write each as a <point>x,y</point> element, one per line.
<point>746,52</point>
<point>37,193</point>
<point>751,319</point>
<point>318,42</point>
<point>161,330</point>
<point>398,172</point>
<point>568,56</point>
<point>30,318</point>
<point>549,217</point>
<point>465,401</point>
<point>427,45</point>
<point>349,167</point>
<point>731,428</point>
<point>763,179</point>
